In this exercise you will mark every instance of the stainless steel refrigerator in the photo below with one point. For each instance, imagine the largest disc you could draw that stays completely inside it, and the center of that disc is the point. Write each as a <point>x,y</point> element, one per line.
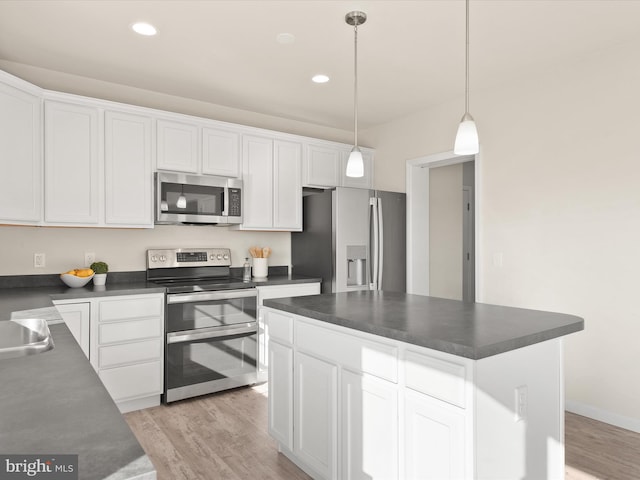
<point>355,239</point>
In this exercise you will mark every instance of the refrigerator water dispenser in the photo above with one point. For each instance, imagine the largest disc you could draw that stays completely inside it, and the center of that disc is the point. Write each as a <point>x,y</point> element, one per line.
<point>356,265</point>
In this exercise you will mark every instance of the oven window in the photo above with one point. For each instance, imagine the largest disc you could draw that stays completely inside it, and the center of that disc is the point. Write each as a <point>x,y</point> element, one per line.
<point>207,360</point>
<point>210,313</point>
<point>196,199</point>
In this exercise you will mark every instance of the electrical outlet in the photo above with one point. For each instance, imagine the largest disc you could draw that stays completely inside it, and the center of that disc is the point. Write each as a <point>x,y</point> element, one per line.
<point>89,258</point>
<point>522,400</point>
<point>39,260</point>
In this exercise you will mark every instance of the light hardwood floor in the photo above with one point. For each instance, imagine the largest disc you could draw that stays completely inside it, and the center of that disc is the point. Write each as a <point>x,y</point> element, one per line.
<point>224,436</point>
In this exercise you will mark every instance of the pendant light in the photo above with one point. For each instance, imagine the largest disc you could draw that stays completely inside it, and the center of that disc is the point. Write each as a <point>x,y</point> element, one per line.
<point>467,136</point>
<point>355,164</point>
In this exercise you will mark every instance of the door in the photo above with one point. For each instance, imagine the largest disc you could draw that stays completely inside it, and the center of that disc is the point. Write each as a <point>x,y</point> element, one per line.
<point>315,437</point>
<point>287,185</point>
<point>394,241</point>
<point>128,172</point>
<point>433,439</point>
<point>177,146</point>
<point>72,164</point>
<point>468,252</point>
<point>257,176</point>
<point>369,428</point>
<point>20,157</point>
<point>281,393</point>
<point>351,210</point>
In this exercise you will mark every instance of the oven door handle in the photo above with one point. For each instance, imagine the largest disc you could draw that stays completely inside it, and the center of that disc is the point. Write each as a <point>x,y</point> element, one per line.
<point>213,332</point>
<point>205,296</point>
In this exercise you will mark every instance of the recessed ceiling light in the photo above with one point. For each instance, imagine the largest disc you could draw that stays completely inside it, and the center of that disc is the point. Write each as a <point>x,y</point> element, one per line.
<point>320,78</point>
<point>144,28</point>
<point>285,38</point>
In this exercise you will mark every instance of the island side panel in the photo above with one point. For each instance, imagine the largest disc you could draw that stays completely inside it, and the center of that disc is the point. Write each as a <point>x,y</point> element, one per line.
<point>520,413</point>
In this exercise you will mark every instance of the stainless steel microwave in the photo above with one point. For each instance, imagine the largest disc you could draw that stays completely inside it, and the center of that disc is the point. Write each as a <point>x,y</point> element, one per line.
<point>197,199</point>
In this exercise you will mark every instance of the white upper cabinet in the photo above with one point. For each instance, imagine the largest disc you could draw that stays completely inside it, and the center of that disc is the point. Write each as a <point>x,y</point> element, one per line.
<point>322,166</point>
<point>72,163</point>
<point>325,165</point>
<point>20,153</point>
<point>220,152</point>
<point>257,182</point>
<point>272,184</point>
<point>193,145</point>
<point>128,170</point>
<point>287,185</point>
<point>177,146</point>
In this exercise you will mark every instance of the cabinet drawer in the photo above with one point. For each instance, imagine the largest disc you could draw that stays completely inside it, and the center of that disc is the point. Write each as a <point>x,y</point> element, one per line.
<point>133,381</point>
<point>435,377</point>
<point>128,331</point>
<point>280,326</point>
<point>135,307</point>
<point>282,291</point>
<point>113,355</point>
<point>351,351</point>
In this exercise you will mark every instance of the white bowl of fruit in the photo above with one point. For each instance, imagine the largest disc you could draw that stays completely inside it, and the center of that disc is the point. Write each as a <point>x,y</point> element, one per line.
<point>78,277</point>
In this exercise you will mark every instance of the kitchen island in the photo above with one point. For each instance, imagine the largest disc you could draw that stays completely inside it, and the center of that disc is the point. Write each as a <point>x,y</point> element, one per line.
<point>390,385</point>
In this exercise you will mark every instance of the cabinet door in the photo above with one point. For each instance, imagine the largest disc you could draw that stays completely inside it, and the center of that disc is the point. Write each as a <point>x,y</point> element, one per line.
<point>76,316</point>
<point>315,410</point>
<point>20,158</point>
<point>322,166</point>
<point>434,439</point>
<point>72,164</point>
<point>220,152</point>
<point>369,428</point>
<point>177,146</point>
<point>281,393</point>
<point>287,186</point>
<point>128,171</point>
<point>257,176</point>
<point>365,181</point>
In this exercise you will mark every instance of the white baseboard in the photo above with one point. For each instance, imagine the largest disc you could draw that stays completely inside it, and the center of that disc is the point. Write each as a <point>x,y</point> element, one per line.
<point>621,421</point>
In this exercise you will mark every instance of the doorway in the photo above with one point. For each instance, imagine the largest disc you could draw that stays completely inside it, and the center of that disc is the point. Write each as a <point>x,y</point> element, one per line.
<point>442,239</point>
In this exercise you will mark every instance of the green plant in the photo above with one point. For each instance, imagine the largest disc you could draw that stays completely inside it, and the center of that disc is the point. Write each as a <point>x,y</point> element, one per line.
<point>99,267</point>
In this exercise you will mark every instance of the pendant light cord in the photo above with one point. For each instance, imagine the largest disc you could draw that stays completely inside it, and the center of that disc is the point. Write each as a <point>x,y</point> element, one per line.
<point>355,84</point>
<point>466,66</point>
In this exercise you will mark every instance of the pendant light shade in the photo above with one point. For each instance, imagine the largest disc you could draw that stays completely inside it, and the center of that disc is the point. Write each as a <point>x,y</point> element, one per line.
<point>467,137</point>
<point>355,164</point>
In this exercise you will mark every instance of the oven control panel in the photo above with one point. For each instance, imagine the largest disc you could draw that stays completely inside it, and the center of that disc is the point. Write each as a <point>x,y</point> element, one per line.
<point>188,257</point>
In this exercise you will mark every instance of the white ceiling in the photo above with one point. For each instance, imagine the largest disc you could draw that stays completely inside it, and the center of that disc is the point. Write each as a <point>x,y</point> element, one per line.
<point>411,53</point>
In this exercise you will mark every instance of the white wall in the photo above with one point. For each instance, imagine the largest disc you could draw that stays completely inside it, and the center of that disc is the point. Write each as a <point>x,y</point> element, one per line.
<point>445,231</point>
<point>124,249</point>
<point>561,204</point>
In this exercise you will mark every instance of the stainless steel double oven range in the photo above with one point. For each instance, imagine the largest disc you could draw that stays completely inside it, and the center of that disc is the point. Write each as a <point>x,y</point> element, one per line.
<point>210,322</point>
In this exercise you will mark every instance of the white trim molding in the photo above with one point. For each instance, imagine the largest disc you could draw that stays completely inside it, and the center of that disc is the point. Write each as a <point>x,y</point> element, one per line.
<point>605,416</point>
<point>417,185</point>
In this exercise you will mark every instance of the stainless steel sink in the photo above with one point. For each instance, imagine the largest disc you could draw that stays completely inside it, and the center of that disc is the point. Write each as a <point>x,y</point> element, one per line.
<point>24,336</point>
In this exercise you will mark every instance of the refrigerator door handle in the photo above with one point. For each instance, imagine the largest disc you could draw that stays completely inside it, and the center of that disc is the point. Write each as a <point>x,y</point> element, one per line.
<point>381,245</point>
<point>373,202</point>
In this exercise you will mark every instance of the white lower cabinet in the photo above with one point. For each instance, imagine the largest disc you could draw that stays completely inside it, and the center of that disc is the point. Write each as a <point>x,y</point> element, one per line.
<point>281,390</point>
<point>123,337</point>
<point>316,414</point>
<point>369,427</point>
<point>127,348</point>
<point>77,316</point>
<point>365,407</point>
<point>276,291</point>
<point>433,439</point>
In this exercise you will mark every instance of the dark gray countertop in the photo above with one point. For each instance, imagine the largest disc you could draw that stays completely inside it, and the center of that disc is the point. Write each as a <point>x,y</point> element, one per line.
<point>471,330</point>
<point>54,403</point>
<point>273,280</point>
